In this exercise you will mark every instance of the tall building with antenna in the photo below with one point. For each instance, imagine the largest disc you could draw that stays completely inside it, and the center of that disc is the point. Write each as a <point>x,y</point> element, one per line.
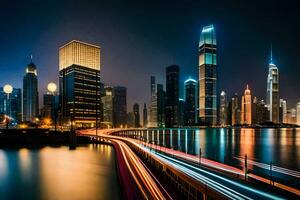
<point>273,91</point>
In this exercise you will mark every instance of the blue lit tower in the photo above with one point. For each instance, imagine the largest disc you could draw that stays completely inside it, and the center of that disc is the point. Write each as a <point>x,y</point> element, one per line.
<point>190,87</point>
<point>208,76</point>
<point>273,92</point>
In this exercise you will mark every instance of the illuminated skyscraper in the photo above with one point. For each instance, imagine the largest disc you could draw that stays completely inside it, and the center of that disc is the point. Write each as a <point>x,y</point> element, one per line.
<point>223,109</point>
<point>235,110</point>
<point>120,107</point>
<point>283,111</point>
<point>190,91</point>
<point>107,101</point>
<point>161,96</point>
<point>30,93</point>
<point>246,113</point>
<point>153,104</point>
<point>273,92</point>
<point>136,113</point>
<point>79,81</point>
<point>11,105</point>
<point>172,96</point>
<point>208,76</point>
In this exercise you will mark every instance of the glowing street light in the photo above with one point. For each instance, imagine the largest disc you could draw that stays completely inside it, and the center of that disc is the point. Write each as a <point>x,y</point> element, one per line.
<point>52,87</point>
<point>8,89</point>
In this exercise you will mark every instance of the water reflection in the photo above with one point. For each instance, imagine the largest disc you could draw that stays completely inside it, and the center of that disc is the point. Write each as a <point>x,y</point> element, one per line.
<point>56,173</point>
<point>280,146</point>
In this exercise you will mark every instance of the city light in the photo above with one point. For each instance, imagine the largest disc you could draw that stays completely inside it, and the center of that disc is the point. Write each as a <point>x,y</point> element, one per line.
<point>8,89</point>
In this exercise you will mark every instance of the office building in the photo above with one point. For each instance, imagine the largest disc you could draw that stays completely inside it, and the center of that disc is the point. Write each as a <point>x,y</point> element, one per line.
<point>282,111</point>
<point>161,101</point>
<point>79,82</point>
<point>153,104</point>
<point>235,110</point>
<point>190,95</point>
<point>107,102</point>
<point>120,107</point>
<point>246,113</point>
<point>273,92</point>
<point>208,76</point>
<point>136,113</point>
<point>145,116</point>
<point>298,114</point>
<point>223,109</point>
<point>30,93</point>
<point>172,96</point>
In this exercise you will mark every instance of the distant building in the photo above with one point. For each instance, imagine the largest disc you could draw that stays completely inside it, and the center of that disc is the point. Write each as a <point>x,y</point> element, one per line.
<point>136,114</point>
<point>223,109</point>
<point>30,93</point>
<point>153,104</point>
<point>273,92</point>
<point>190,95</point>
<point>79,82</point>
<point>246,113</point>
<point>298,114</point>
<point>172,96</point>
<point>130,120</point>
<point>283,111</point>
<point>48,110</point>
<point>292,116</point>
<point>235,110</point>
<point>260,113</point>
<point>107,102</point>
<point>181,107</point>
<point>145,117</point>
<point>208,76</point>
<point>161,101</point>
<point>120,107</point>
<point>11,105</point>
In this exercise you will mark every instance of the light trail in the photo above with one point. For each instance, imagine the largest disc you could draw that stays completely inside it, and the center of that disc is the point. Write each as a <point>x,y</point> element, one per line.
<point>274,168</point>
<point>230,192</point>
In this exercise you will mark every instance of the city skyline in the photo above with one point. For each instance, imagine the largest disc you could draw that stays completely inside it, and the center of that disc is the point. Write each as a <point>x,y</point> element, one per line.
<point>185,39</point>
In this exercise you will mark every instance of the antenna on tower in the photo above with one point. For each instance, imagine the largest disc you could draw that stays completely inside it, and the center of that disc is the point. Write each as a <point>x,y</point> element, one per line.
<point>271,56</point>
<point>31,57</point>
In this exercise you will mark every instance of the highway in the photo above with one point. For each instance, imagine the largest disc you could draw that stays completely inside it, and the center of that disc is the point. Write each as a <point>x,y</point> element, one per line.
<point>227,186</point>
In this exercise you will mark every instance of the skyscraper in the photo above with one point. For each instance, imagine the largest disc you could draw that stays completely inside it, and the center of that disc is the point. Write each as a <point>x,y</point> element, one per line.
<point>172,96</point>
<point>120,107</point>
<point>30,93</point>
<point>223,109</point>
<point>107,101</point>
<point>145,116</point>
<point>136,113</point>
<point>259,111</point>
<point>246,113</point>
<point>283,112</point>
<point>208,76</point>
<point>190,88</point>
<point>235,110</point>
<point>273,91</point>
<point>153,104</point>
<point>79,82</point>
<point>161,96</point>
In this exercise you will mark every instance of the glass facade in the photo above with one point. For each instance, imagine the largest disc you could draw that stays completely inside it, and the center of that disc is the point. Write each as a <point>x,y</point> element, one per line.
<point>208,76</point>
<point>79,80</point>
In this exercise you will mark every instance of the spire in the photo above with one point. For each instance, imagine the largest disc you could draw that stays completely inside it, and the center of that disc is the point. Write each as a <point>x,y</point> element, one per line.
<point>31,57</point>
<point>271,54</point>
<point>247,87</point>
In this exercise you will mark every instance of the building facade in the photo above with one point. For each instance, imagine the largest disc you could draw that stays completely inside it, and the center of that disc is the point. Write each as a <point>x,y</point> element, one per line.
<point>190,96</point>
<point>136,113</point>
<point>153,104</point>
<point>223,109</point>
<point>161,97</point>
<point>107,102</point>
<point>208,76</point>
<point>11,104</point>
<point>120,107</point>
<point>30,94</point>
<point>235,110</point>
<point>172,96</point>
<point>145,116</point>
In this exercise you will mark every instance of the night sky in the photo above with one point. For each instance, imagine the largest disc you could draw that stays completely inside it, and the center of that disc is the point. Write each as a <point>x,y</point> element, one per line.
<point>140,38</point>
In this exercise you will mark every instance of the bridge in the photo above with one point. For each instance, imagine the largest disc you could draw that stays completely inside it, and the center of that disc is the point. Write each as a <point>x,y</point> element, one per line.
<point>139,153</point>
